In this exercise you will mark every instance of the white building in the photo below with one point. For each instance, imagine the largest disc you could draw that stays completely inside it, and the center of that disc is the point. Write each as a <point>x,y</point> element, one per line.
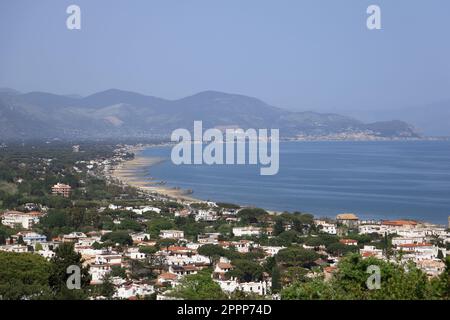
<point>171,234</point>
<point>129,290</point>
<point>17,218</point>
<point>205,215</point>
<point>140,237</point>
<point>418,251</point>
<point>260,288</point>
<point>246,231</point>
<point>371,251</point>
<point>432,268</point>
<point>17,248</point>
<point>271,250</point>
<point>326,227</point>
<point>134,254</point>
<point>32,238</point>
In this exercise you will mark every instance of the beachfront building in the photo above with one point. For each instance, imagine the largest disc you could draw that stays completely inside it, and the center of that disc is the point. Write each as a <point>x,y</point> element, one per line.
<point>61,189</point>
<point>348,219</point>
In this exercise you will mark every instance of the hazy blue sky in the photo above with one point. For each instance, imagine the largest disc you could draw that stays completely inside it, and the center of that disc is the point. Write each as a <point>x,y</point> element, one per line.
<point>296,54</point>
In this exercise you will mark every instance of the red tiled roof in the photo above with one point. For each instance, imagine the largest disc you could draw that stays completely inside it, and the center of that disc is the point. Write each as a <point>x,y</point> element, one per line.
<point>399,222</point>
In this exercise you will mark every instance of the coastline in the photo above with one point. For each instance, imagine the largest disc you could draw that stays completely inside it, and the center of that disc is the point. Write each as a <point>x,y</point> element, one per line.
<point>134,173</point>
<point>137,173</point>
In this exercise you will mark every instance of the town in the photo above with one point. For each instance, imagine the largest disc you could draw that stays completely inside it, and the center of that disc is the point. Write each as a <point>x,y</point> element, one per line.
<point>60,207</point>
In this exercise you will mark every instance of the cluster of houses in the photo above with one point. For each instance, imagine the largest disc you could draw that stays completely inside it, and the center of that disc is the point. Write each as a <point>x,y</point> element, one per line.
<point>411,241</point>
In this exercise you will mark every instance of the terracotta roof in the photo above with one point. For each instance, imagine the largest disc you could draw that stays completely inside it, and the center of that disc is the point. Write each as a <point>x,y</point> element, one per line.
<point>399,222</point>
<point>329,269</point>
<point>168,276</point>
<point>178,248</point>
<point>346,216</point>
<point>345,241</point>
<point>368,254</point>
<point>224,265</point>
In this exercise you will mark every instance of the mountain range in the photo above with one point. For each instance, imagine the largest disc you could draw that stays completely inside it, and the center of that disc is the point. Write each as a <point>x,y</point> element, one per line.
<point>118,114</point>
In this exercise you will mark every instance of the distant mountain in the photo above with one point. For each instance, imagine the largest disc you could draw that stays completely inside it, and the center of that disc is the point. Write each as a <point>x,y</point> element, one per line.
<point>118,114</point>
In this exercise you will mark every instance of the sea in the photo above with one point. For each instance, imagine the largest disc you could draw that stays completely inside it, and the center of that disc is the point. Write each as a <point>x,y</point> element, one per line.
<point>373,179</point>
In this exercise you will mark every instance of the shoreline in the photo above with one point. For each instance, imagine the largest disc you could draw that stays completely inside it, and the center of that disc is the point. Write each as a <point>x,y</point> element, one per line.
<point>134,173</point>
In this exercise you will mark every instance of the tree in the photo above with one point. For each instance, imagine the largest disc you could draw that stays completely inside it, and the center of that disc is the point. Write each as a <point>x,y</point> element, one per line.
<point>118,237</point>
<point>38,247</point>
<point>276,280</point>
<point>211,251</point>
<point>340,249</point>
<point>296,256</point>
<point>148,250</point>
<point>350,282</point>
<point>246,270</point>
<point>278,227</point>
<point>199,286</point>
<point>118,271</point>
<point>106,288</point>
<point>65,256</point>
<point>24,276</point>
<point>251,215</point>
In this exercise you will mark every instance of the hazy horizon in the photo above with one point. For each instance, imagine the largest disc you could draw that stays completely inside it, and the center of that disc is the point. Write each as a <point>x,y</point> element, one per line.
<point>299,55</point>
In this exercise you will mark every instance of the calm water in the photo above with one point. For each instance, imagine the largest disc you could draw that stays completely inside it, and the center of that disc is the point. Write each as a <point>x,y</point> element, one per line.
<point>372,179</point>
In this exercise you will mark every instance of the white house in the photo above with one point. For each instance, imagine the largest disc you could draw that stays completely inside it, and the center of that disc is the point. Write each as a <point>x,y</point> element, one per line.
<point>25,220</point>
<point>260,288</point>
<point>32,238</point>
<point>246,231</point>
<point>418,251</point>
<point>371,251</point>
<point>171,234</point>
<point>205,215</point>
<point>271,250</point>
<point>134,254</point>
<point>17,248</point>
<point>432,268</point>
<point>326,227</point>
<point>140,237</point>
<point>109,258</point>
<point>129,290</point>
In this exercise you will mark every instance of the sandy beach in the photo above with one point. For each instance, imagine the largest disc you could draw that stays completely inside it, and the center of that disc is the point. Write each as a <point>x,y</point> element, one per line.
<point>135,173</point>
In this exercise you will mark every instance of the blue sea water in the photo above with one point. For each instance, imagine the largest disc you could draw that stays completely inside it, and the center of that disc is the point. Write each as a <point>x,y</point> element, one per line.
<point>380,180</point>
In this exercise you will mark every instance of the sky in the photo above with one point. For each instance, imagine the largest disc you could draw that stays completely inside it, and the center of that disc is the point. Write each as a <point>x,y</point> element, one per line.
<point>295,54</point>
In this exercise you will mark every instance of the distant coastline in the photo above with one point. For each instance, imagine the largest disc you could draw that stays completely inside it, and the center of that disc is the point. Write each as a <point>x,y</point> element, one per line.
<point>319,197</point>
<point>134,173</point>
